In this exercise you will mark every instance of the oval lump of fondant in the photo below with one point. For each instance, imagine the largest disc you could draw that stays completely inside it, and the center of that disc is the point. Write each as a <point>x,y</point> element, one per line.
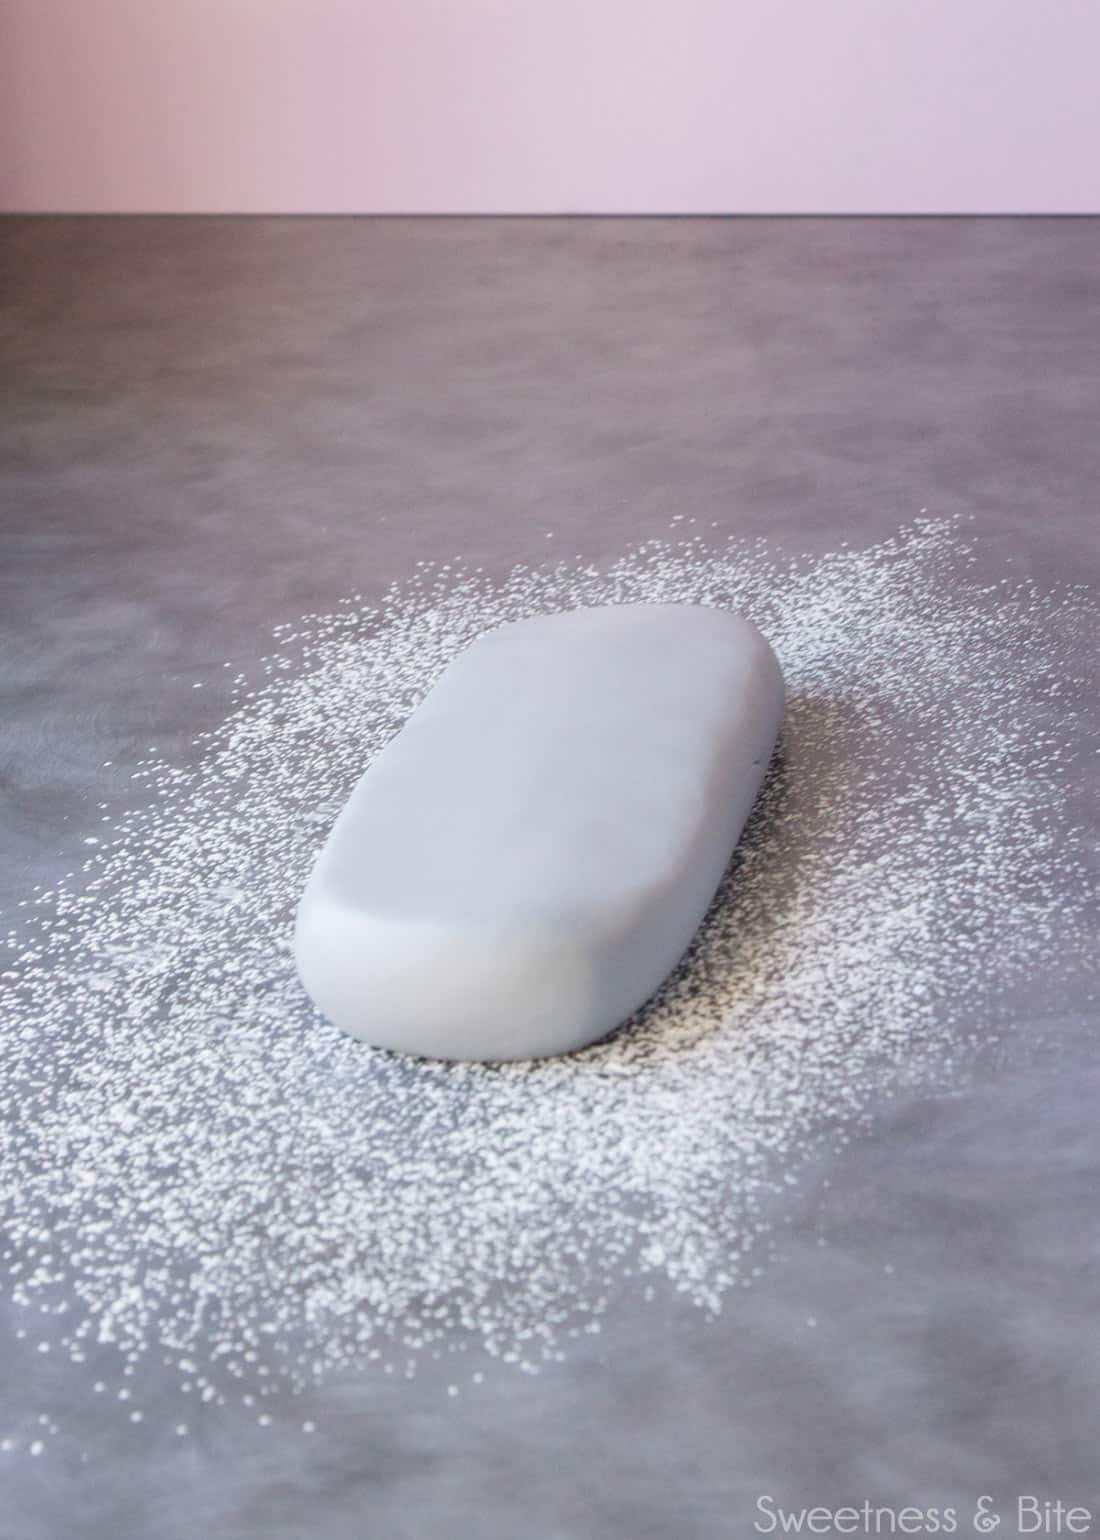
<point>526,860</point>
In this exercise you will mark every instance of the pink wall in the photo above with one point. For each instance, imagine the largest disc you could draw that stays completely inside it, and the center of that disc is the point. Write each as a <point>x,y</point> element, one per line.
<point>543,105</point>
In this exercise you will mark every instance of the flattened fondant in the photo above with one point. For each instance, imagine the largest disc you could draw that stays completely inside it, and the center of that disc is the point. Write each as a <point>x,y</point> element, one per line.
<point>528,858</point>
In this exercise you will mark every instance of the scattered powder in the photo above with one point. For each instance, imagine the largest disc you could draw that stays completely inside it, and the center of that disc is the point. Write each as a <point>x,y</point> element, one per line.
<point>200,1170</point>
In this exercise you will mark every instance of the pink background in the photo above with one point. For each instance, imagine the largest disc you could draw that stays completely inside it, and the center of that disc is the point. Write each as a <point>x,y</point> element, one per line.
<point>629,106</point>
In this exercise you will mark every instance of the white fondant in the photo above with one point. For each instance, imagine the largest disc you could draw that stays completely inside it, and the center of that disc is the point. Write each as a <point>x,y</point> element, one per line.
<point>527,859</point>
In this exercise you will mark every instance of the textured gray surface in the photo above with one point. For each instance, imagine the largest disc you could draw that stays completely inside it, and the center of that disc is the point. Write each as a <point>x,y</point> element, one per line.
<point>212,426</point>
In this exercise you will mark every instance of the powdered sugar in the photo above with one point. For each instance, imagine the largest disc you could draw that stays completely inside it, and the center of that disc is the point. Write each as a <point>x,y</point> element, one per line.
<point>195,1164</point>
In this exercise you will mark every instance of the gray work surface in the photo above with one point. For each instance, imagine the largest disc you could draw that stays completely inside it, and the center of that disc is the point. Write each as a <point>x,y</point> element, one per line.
<point>215,425</point>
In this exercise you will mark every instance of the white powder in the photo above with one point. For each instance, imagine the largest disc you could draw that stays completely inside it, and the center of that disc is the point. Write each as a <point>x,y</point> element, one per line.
<point>200,1170</point>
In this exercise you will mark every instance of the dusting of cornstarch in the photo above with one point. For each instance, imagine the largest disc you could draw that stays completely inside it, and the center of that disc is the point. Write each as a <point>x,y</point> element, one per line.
<point>200,1170</point>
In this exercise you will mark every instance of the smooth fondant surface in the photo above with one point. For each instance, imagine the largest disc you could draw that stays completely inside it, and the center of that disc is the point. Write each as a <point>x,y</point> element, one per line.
<point>527,859</point>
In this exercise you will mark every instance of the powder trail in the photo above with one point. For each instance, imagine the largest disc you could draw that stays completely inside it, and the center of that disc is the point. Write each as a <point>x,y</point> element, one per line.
<point>194,1164</point>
